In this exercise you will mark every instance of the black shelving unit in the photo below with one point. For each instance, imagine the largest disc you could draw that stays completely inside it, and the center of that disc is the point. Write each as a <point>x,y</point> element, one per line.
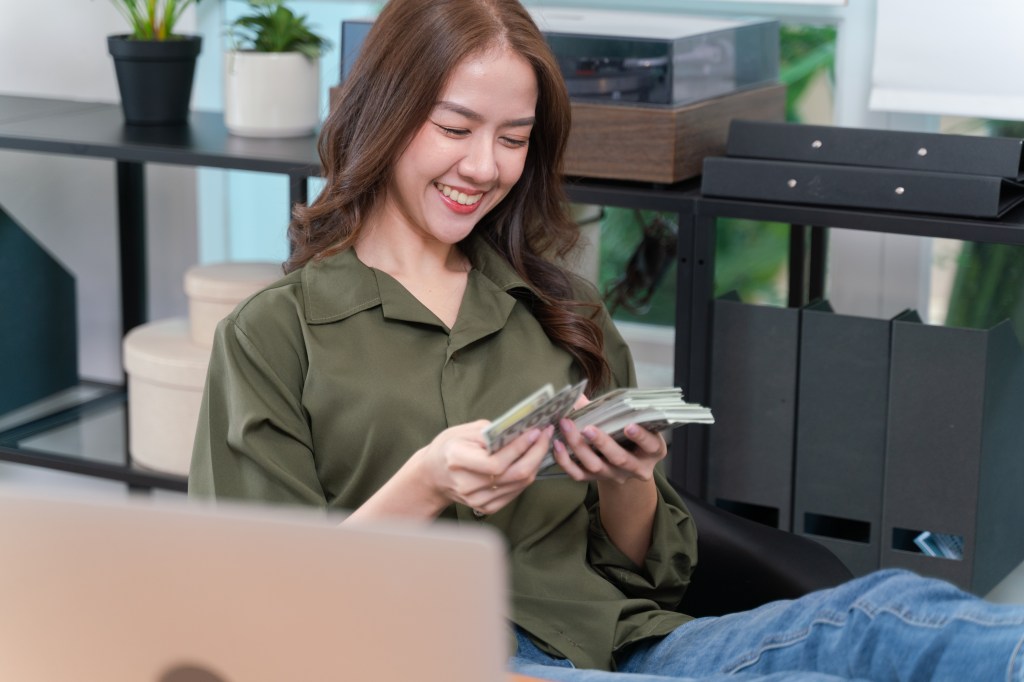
<point>967,487</point>
<point>96,130</point>
<point>808,240</point>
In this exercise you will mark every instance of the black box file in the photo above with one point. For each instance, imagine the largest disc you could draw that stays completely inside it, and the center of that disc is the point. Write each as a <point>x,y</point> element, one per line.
<point>955,452</point>
<point>753,398</point>
<point>842,405</point>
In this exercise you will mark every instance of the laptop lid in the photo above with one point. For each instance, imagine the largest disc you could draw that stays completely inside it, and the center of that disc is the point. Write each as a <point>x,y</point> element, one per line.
<point>134,591</point>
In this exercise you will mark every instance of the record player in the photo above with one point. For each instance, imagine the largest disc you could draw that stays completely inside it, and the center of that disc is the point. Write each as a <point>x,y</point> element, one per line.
<point>658,59</point>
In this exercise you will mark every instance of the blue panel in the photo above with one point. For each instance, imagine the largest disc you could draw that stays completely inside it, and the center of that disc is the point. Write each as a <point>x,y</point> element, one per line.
<point>244,216</point>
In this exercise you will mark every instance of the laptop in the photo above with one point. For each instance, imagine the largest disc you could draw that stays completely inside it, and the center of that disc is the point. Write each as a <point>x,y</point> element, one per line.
<point>140,591</point>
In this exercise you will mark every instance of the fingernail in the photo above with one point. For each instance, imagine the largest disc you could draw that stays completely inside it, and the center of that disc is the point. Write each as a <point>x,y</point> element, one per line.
<point>533,436</point>
<point>590,433</point>
<point>567,425</point>
<point>632,430</point>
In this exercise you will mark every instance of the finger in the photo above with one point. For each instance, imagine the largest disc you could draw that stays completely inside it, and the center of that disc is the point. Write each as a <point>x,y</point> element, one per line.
<point>620,462</point>
<point>489,502</point>
<point>523,471</point>
<point>649,443</point>
<point>569,464</point>
<point>487,482</point>
<point>502,459</point>
<point>591,461</point>
<point>611,451</point>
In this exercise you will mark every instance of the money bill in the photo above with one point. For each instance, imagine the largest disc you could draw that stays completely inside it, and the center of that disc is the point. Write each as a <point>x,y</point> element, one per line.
<point>537,410</point>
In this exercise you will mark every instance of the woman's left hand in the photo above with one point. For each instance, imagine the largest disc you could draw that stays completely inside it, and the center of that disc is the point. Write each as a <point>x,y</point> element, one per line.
<point>624,476</point>
<point>592,455</point>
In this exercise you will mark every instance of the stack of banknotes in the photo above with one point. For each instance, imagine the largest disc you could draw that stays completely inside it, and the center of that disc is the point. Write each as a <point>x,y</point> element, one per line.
<point>655,409</point>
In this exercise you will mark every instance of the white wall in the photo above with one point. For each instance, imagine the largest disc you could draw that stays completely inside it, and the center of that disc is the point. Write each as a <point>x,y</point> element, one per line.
<point>68,204</point>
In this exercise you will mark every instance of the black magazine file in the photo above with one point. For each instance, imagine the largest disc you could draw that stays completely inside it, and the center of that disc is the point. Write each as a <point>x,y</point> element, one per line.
<point>842,406</point>
<point>39,342</point>
<point>955,450</point>
<point>957,175</point>
<point>753,398</point>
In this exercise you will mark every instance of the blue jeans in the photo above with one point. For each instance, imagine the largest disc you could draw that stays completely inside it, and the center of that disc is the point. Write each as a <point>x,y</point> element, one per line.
<point>889,625</point>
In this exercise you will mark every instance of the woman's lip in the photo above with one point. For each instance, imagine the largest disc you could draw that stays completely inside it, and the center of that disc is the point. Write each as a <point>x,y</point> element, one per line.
<point>453,189</point>
<point>455,206</point>
<point>453,203</point>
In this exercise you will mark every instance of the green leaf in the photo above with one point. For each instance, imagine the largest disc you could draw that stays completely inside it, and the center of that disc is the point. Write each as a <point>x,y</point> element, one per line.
<point>272,27</point>
<point>152,19</point>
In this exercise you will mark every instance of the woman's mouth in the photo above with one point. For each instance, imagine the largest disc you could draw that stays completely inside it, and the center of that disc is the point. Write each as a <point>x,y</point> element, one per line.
<point>458,197</point>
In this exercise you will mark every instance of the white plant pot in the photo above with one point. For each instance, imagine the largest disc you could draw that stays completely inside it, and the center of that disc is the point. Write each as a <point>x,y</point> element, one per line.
<point>271,94</point>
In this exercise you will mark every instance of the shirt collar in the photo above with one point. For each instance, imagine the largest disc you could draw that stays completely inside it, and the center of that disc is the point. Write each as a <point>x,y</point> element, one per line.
<point>341,285</point>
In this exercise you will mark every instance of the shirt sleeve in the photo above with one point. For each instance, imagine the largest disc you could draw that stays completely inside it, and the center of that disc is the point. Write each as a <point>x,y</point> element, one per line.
<point>669,563</point>
<point>253,440</point>
<point>666,570</point>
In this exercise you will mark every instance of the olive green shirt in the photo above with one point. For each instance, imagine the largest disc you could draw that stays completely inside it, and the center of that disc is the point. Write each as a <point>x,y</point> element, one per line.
<point>323,384</point>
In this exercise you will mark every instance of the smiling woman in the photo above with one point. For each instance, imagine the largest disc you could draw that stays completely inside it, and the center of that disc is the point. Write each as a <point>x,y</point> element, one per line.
<point>465,158</point>
<point>423,297</point>
<point>460,164</point>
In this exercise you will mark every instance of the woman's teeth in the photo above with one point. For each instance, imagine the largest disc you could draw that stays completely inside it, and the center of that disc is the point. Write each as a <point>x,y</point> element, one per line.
<point>456,195</point>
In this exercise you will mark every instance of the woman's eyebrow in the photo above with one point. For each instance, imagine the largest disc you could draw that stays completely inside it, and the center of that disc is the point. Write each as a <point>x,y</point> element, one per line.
<point>474,116</point>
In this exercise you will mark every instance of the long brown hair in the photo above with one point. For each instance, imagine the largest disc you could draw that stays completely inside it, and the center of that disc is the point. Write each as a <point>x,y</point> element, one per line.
<point>405,61</point>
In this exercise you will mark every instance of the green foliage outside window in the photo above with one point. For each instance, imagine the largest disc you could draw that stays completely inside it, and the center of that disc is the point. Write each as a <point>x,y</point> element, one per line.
<point>989,283</point>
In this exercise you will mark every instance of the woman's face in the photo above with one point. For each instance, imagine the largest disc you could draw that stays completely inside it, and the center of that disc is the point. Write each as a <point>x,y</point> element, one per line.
<point>470,151</point>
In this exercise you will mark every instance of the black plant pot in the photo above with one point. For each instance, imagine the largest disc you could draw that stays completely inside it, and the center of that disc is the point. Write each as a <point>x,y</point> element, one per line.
<point>155,77</point>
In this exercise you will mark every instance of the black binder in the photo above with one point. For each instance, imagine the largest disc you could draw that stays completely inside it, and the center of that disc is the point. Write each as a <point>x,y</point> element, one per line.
<point>860,168</point>
<point>979,196</point>
<point>936,152</point>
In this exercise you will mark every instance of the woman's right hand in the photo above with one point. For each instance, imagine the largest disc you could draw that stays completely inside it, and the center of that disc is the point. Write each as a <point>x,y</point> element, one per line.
<point>457,467</point>
<point>461,469</point>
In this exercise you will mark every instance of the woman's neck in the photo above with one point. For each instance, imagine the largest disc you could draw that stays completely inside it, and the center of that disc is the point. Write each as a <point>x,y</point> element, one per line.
<point>433,272</point>
<point>407,253</point>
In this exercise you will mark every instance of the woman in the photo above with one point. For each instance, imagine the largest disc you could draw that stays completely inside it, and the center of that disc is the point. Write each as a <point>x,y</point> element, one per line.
<point>422,297</point>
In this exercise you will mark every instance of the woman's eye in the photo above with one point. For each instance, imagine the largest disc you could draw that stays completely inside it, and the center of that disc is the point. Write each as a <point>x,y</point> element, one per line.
<point>515,143</point>
<point>452,132</point>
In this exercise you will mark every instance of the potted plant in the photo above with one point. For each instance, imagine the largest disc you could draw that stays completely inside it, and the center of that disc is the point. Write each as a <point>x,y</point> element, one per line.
<point>154,65</point>
<point>272,73</point>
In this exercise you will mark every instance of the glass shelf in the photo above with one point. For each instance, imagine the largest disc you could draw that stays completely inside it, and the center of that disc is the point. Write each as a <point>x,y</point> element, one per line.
<point>82,430</point>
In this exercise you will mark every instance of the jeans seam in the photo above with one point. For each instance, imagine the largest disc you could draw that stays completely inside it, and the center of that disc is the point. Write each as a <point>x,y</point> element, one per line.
<point>780,642</point>
<point>1015,669</point>
<point>902,614</point>
<point>1015,672</point>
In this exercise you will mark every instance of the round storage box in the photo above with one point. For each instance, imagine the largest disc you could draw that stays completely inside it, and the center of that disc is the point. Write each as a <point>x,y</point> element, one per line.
<point>215,289</point>
<point>166,372</point>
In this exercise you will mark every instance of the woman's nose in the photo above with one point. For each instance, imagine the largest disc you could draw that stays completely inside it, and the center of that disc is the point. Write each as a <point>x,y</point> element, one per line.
<point>479,165</point>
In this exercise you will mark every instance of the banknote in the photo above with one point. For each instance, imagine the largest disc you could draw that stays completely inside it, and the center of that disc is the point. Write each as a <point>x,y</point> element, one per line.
<point>539,409</point>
